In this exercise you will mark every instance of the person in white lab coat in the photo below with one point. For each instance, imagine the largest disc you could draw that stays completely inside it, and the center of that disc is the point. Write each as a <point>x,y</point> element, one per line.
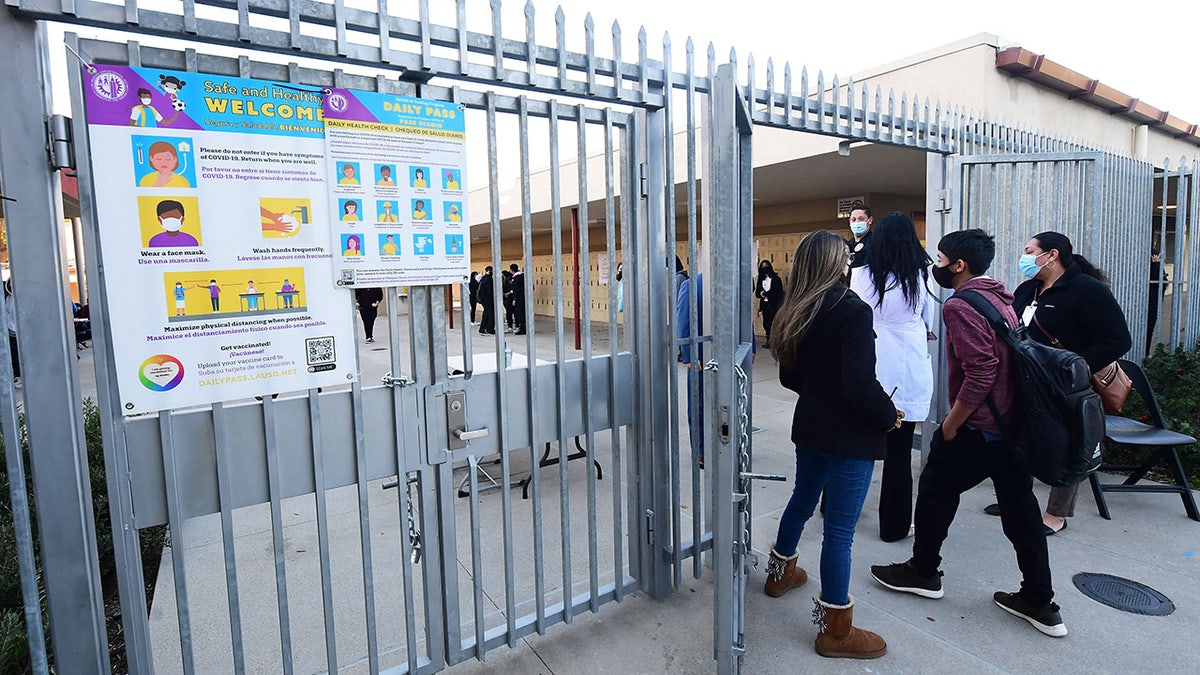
<point>893,284</point>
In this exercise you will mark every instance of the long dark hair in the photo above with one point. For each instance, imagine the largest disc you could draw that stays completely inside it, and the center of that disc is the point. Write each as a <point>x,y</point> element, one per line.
<point>1060,242</point>
<point>895,251</point>
<point>818,266</point>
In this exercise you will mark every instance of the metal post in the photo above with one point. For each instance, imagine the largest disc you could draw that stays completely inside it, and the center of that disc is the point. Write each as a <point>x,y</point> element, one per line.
<point>575,266</point>
<point>58,454</point>
<point>722,275</point>
<point>937,224</point>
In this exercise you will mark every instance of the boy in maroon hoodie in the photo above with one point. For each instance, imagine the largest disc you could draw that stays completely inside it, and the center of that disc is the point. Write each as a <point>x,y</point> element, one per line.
<point>969,446</point>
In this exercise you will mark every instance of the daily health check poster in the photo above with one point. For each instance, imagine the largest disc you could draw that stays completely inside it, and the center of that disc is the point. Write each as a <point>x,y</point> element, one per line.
<point>213,228</point>
<point>397,192</point>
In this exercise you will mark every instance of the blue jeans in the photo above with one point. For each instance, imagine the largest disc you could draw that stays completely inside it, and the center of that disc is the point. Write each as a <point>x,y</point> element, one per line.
<point>845,481</point>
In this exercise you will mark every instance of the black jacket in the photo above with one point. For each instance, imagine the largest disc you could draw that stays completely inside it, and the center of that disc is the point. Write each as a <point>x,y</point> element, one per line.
<point>1081,313</point>
<point>772,298</point>
<point>842,409</point>
<point>487,285</point>
<point>365,296</point>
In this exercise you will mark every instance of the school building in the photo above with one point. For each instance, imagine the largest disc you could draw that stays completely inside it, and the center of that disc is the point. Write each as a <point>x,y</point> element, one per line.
<point>800,179</point>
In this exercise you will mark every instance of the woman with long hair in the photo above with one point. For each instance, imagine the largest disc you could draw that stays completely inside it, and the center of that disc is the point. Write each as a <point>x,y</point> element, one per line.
<point>1067,304</point>
<point>893,284</point>
<point>769,291</point>
<point>826,352</point>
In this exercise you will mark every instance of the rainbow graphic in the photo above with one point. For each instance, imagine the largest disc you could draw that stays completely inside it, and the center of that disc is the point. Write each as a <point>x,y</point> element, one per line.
<point>161,372</point>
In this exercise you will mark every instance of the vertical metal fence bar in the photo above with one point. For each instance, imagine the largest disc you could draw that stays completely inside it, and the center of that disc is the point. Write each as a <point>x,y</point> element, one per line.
<point>460,15</point>
<point>166,427</point>
<point>560,380</point>
<point>693,381</point>
<point>427,329</point>
<point>659,359</point>
<point>477,556</point>
<point>1162,247</point>
<point>637,434</point>
<point>228,540</point>
<point>585,280</point>
<point>723,228</point>
<point>670,230</point>
<point>319,485</point>
<point>339,26</point>
<point>403,461</point>
<point>364,514</point>
<point>589,41</point>
<point>531,350</point>
<point>19,503</point>
<point>510,600</point>
<point>530,45</point>
<point>614,344</point>
<point>560,51</point>
<point>1182,236</point>
<point>618,75</point>
<point>423,13</point>
<point>274,479</point>
<point>497,45</point>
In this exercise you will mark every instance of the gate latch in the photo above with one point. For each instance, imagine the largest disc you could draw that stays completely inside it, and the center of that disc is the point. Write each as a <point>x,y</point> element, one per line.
<point>456,422</point>
<point>389,380</point>
<point>723,424</point>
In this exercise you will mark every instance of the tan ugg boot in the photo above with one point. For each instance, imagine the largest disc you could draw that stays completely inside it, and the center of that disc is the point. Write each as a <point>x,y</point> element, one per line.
<point>839,638</point>
<point>783,574</point>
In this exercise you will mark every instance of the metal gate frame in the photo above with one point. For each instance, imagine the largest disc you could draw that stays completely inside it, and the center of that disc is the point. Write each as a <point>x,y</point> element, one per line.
<point>657,549</point>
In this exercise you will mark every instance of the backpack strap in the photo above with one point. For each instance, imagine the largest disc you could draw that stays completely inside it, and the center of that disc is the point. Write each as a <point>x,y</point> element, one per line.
<point>1003,330</point>
<point>988,311</point>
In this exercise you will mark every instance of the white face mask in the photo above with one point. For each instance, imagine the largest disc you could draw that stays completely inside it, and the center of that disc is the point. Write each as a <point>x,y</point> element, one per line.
<point>145,101</point>
<point>172,224</point>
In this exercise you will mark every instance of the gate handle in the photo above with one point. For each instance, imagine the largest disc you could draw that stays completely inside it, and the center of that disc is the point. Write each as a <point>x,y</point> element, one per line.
<point>464,435</point>
<point>746,475</point>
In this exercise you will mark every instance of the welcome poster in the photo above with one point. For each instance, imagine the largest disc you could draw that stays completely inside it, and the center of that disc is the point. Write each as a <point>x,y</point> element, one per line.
<point>214,231</point>
<point>397,193</point>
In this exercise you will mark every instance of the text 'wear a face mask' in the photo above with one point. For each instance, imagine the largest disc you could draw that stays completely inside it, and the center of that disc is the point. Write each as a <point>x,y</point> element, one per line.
<point>1029,266</point>
<point>859,228</point>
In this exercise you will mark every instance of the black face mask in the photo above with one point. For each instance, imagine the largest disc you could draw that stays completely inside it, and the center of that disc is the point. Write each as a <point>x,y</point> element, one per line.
<point>943,276</point>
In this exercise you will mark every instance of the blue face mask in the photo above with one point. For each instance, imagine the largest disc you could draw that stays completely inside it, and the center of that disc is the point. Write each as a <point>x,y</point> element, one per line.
<point>1029,266</point>
<point>859,228</point>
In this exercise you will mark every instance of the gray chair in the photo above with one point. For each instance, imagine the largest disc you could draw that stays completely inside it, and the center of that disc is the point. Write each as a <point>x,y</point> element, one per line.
<point>1164,453</point>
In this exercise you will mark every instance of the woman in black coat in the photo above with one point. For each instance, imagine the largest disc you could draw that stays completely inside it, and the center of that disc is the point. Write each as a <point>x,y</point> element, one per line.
<point>825,345</point>
<point>769,291</point>
<point>1066,303</point>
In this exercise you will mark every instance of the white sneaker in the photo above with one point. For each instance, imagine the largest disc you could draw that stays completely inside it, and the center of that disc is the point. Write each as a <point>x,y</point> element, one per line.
<point>17,382</point>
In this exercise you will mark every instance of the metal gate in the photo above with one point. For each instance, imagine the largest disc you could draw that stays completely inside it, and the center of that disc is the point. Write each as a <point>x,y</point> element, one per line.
<point>418,595</point>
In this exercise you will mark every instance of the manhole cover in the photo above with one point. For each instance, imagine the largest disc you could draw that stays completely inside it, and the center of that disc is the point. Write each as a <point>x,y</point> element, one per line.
<point>1123,594</point>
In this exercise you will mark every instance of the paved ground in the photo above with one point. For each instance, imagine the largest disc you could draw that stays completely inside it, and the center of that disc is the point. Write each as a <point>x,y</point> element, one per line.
<point>1150,540</point>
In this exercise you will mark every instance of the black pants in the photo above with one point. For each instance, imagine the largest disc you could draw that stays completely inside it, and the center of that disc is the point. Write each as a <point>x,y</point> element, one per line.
<point>368,314</point>
<point>896,486</point>
<point>957,466</point>
<point>510,313</point>
<point>768,313</point>
<point>474,304</point>
<point>487,325</point>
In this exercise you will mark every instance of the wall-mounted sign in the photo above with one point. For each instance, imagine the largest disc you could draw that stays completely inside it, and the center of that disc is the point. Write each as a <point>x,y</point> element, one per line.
<point>847,204</point>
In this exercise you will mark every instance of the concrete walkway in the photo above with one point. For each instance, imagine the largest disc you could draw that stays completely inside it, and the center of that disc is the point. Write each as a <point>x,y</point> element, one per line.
<point>1150,540</point>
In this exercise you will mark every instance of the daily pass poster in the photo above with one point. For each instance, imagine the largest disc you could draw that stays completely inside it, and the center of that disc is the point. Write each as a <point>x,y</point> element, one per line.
<point>214,231</point>
<point>397,195</point>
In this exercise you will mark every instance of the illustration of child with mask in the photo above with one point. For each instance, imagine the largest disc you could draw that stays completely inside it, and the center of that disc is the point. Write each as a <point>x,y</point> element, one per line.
<point>171,216</point>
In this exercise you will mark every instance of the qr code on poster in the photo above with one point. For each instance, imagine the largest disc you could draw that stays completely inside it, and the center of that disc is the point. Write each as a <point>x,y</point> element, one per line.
<point>319,350</point>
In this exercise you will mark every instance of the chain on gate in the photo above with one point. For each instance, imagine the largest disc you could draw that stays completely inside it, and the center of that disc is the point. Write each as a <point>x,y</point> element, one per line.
<point>414,532</point>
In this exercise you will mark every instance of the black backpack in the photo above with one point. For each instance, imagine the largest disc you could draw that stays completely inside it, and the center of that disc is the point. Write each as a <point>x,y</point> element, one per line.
<point>1058,419</point>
